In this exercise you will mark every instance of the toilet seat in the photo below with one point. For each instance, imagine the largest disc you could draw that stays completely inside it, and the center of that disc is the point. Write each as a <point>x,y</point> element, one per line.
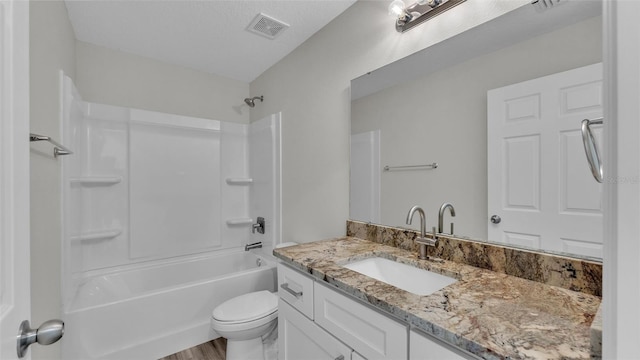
<point>245,311</point>
<point>243,325</point>
<point>247,307</point>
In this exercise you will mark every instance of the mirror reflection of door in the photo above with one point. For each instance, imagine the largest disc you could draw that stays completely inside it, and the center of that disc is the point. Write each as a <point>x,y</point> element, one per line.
<point>539,183</point>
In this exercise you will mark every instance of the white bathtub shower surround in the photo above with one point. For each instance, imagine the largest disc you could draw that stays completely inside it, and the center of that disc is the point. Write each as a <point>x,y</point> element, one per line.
<point>174,185</point>
<point>157,211</point>
<point>265,192</point>
<point>154,311</point>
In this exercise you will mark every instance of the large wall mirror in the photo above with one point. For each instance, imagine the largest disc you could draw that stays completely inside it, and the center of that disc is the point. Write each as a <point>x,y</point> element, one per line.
<point>432,107</point>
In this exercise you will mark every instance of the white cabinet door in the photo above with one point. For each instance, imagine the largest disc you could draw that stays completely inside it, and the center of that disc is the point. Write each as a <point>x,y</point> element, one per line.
<point>368,332</point>
<point>423,347</point>
<point>539,182</point>
<point>300,339</point>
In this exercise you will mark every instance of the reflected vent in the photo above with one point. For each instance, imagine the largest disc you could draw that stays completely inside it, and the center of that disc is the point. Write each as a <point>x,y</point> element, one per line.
<point>267,26</point>
<point>542,5</point>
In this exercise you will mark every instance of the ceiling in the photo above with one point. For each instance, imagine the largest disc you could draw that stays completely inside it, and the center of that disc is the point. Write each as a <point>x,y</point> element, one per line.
<point>209,35</point>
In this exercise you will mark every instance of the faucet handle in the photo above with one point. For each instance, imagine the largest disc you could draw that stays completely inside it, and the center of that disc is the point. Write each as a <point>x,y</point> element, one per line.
<point>434,234</point>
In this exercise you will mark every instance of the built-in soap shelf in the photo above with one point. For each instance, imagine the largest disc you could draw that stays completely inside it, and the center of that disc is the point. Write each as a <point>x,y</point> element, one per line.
<point>239,181</point>
<point>239,221</point>
<point>96,180</point>
<point>97,235</point>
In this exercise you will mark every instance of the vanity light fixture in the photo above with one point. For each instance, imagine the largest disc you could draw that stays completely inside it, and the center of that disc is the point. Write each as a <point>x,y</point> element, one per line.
<point>409,16</point>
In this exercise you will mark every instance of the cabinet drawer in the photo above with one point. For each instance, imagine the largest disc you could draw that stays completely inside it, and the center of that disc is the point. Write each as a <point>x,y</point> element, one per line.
<point>368,332</point>
<point>296,289</point>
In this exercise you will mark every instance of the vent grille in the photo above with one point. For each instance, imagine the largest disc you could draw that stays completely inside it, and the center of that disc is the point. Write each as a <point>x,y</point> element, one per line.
<point>267,26</point>
<point>542,5</point>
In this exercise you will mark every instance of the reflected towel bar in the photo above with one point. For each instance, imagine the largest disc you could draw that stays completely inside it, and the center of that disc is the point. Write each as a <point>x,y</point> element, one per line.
<point>411,167</point>
<point>590,148</point>
<point>58,149</point>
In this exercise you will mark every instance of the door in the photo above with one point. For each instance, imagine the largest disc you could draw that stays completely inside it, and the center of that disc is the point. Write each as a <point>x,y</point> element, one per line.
<point>540,185</point>
<point>14,173</point>
<point>621,295</point>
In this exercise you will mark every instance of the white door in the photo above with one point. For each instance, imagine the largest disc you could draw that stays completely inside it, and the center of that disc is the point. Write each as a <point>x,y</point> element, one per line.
<point>621,285</point>
<point>540,185</point>
<point>14,173</point>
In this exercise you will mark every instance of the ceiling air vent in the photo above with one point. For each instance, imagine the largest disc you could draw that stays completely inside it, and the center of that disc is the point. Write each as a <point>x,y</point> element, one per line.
<point>542,5</point>
<point>267,26</point>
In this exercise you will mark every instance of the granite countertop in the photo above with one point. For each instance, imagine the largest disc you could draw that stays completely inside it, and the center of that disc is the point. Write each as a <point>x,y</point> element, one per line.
<point>489,314</point>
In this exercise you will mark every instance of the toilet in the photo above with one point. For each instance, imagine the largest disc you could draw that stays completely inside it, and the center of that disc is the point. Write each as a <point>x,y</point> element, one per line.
<point>243,321</point>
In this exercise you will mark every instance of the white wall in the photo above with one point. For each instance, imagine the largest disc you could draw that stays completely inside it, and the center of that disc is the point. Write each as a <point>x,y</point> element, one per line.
<point>52,47</point>
<point>311,88</point>
<point>117,78</point>
<point>442,118</point>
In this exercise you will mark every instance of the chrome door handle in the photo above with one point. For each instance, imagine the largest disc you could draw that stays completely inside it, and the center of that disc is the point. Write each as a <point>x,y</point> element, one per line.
<point>48,333</point>
<point>286,288</point>
<point>590,149</point>
<point>495,219</point>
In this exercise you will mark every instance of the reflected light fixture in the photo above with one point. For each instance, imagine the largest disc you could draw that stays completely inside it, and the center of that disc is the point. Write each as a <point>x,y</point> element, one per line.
<point>410,16</point>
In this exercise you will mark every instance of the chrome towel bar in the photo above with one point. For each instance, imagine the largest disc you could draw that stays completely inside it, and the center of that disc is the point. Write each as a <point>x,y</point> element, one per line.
<point>58,149</point>
<point>411,167</point>
<point>590,148</point>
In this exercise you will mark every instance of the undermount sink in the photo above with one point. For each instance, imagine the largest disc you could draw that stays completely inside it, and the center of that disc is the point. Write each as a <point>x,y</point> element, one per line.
<point>403,276</point>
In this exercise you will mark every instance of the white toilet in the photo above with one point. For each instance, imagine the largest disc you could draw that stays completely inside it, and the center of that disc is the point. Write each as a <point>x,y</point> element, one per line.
<point>243,321</point>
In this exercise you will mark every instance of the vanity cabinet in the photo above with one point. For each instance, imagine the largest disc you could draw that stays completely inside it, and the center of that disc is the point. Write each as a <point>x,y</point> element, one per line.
<point>312,317</point>
<point>426,347</point>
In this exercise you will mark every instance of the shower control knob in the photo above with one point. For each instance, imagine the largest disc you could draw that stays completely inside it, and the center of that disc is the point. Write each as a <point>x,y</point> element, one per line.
<point>495,219</point>
<point>48,333</point>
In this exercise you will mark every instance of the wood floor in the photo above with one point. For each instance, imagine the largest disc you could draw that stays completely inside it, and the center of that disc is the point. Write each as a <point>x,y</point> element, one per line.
<point>212,350</point>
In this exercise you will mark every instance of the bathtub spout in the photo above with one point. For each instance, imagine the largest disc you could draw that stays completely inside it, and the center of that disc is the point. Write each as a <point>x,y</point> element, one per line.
<point>253,246</point>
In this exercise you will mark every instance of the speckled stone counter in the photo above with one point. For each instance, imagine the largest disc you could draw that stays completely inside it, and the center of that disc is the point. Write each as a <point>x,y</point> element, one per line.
<point>490,314</point>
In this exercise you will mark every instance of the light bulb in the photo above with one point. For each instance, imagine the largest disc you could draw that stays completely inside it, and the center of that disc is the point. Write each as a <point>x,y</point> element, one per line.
<point>396,8</point>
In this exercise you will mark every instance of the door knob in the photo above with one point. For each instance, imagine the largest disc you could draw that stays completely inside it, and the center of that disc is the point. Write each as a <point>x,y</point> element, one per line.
<point>495,219</point>
<point>48,333</point>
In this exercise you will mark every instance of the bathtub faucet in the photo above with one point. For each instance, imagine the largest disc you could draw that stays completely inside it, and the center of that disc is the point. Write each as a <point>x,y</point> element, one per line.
<point>253,246</point>
<point>259,225</point>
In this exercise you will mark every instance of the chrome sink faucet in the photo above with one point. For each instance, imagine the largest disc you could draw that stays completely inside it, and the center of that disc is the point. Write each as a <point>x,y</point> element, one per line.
<point>422,240</point>
<point>452,211</point>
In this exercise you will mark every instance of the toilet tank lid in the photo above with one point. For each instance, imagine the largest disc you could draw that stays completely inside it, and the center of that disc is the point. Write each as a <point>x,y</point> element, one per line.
<point>247,307</point>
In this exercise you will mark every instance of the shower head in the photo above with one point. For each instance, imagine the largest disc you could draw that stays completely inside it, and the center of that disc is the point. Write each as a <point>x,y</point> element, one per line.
<point>251,101</point>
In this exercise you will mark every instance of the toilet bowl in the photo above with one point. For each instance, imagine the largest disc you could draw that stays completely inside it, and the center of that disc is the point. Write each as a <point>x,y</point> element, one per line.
<point>243,321</point>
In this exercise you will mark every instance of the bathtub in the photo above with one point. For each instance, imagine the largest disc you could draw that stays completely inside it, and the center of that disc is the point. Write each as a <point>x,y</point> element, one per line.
<point>156,310</point>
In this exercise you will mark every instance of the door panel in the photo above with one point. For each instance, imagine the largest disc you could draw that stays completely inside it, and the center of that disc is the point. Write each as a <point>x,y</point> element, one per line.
<point>14,173</point>
<point>539,181</point>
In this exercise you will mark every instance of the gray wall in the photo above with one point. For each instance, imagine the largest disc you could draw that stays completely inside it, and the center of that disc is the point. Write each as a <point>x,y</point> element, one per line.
<point>442,118</point>
<point>52,47</point>
<point>117,78</point>
<point>311,86</point>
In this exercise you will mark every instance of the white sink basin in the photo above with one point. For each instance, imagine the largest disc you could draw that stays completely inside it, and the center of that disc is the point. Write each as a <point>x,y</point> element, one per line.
<point>403,276</point>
